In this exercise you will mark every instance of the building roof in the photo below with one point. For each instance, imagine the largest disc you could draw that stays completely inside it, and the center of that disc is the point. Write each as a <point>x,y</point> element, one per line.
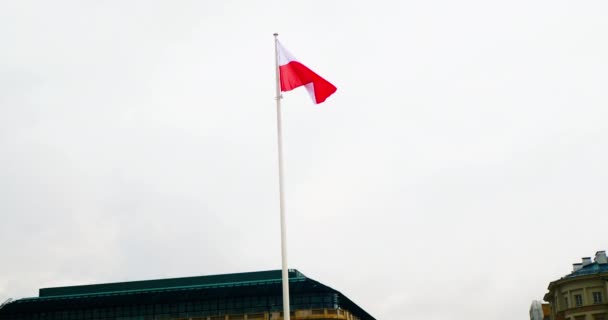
<point>172,284</point>
<point>591,268</point>
<point>224,286</point>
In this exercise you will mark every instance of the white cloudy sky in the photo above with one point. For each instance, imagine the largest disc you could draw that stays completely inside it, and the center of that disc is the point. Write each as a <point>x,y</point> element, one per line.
<point>460,167</point>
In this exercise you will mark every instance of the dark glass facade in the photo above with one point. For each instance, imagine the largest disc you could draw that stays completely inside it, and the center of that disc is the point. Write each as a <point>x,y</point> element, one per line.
<point>245,296</point>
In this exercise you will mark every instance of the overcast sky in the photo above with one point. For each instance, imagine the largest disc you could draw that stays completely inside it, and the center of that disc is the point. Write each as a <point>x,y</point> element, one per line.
<point>460,167</point>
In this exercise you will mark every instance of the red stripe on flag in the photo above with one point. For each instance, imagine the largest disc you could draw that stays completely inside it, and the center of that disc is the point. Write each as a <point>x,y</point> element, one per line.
<point>295,74</point>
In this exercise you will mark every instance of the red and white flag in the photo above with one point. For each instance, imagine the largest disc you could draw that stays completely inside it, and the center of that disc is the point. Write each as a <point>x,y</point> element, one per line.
<point>294,74</point>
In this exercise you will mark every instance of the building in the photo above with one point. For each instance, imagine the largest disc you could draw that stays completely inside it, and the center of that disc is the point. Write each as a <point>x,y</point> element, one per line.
<point>239,296</point>
<point>546,311</point>
<point>581,295</point>
<point>540,311</point>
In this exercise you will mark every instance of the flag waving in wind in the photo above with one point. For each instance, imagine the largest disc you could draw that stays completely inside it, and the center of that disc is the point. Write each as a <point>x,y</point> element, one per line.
<point>294,74</point>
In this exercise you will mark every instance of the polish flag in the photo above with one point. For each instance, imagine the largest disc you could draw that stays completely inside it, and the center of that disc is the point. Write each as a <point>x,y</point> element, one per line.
<point>294,74</point>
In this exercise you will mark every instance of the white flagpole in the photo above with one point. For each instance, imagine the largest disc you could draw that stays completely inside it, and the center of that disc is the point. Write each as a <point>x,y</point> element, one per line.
<point>285,273</point>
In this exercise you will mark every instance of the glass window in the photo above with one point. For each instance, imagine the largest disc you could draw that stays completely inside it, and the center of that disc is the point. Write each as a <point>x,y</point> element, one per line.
<point>566,302</point>
<point>578,300</point>
<point>597,297</point>
<point>149,309</point>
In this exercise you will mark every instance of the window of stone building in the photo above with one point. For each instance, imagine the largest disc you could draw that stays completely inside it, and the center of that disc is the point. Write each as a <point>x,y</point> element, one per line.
<point>599,316</point>
<point>566,302</point>
<point>597,297</point>
<point>578,300</point>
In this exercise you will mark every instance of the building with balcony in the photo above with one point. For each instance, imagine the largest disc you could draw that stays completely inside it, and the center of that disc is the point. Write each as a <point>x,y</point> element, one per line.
<point>240,296</point>
<point>582,294</point>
